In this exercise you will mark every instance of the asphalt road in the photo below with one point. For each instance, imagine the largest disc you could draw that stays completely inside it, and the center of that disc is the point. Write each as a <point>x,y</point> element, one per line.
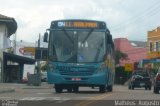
<point>85,97</point>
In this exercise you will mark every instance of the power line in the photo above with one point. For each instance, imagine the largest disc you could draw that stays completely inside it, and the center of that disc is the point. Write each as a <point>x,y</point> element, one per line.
<point>154,10</point>
<point>139,38</point>
<point>155,6</point>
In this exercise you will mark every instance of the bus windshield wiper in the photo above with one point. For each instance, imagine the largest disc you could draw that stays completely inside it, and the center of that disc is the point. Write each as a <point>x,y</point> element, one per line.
<point>98,51</point>
<point>65,32</point>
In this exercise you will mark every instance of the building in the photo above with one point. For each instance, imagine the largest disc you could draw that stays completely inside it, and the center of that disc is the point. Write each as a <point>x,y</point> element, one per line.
<point>153,43</point>
<point>11,65</point>
<point>8,26</point>
<point>27,49</point>
<point>153,51</point>
<point>136,50</point>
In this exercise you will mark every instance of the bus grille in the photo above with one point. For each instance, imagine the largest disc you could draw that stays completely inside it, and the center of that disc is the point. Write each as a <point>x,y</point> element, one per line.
<point>77,71</point>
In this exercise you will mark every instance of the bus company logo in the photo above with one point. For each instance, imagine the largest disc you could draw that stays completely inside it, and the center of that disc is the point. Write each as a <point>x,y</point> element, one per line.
<point>74,69</point>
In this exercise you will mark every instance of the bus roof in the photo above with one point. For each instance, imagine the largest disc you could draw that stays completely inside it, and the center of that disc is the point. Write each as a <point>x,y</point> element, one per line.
<point>79,20</point>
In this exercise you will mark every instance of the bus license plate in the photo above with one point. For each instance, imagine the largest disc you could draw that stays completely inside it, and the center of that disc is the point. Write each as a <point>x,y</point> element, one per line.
<point>76,79</point>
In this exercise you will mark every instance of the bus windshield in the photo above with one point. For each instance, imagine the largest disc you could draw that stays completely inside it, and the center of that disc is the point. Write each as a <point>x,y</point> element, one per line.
<point>77,45</point>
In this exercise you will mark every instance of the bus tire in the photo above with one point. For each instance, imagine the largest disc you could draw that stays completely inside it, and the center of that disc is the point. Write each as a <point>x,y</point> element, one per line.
<point>69,90</point>
<point>75,89</point>
<point>109,88</point>
<point>102,89</point>
<point>58,88</point>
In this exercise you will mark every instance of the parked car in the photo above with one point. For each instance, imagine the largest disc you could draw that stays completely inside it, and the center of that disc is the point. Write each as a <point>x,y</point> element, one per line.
<point>43,76</point>
<point>140,79</point>
<point>156,83</point>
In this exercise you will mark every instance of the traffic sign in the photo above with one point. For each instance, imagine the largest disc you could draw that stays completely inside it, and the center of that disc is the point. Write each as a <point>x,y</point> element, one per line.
<point>128,67</point>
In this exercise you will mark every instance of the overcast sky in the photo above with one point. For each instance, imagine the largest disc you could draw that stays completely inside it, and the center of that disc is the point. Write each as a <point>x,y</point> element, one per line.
<point>125,18</point>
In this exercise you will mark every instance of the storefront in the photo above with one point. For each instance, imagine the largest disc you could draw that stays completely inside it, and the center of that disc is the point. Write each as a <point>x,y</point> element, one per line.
<point>13,67</point>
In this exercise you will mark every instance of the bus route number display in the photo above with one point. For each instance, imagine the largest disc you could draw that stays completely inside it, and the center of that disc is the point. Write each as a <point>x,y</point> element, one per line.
<point>78,24</point>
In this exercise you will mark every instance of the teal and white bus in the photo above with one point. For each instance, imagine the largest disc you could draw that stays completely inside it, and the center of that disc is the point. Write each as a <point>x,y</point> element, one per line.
<point>80,53</point>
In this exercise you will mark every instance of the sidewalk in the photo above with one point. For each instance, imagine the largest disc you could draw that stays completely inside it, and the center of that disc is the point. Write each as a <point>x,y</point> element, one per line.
<point>12,87</point>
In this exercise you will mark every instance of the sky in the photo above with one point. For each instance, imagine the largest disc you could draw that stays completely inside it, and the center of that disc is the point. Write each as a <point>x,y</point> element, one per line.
<point>125,18</point>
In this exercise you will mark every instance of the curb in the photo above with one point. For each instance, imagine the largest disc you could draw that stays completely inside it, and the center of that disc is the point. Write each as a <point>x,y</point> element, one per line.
<point>7,90</point>
<point>36,88</point>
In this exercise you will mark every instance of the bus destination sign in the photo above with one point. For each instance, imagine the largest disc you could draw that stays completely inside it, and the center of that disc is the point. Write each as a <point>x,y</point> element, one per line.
<point>78,24</point>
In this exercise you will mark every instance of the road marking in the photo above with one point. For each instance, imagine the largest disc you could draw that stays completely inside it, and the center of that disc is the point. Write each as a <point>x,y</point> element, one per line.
<point>83,98</point>
<point>44,93</point>
<point>33,98</point>
<point>45,98</point>
<point>61,101</point>
<point>93,99</point>
<point>5,97</point>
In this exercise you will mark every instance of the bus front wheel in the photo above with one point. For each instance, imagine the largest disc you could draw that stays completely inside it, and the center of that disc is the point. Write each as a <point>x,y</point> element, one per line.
<point>69,90</point>
<point>75,89</point>
<point>109,88</point>
<point>58,88</point>
<point>102,89</point>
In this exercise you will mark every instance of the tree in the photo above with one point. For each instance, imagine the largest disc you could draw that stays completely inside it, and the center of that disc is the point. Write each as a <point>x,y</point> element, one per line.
<point>120,56</point>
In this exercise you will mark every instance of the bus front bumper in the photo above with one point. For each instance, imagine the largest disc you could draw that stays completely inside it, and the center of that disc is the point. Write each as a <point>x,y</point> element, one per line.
<point>96,79</point>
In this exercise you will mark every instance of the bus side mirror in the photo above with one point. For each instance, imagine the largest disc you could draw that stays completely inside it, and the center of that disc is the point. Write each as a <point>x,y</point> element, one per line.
<point>45,38</point>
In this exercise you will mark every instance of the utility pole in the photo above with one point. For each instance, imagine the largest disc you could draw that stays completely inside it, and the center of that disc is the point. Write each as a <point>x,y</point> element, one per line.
<point>38,64</point>
<point>14,43</point>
